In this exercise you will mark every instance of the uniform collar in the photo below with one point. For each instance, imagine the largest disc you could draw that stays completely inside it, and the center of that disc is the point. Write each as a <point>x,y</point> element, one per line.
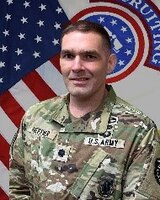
<point>93,122</point>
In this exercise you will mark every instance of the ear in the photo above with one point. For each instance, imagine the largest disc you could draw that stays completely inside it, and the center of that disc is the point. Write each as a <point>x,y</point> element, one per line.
<point>112,60</point>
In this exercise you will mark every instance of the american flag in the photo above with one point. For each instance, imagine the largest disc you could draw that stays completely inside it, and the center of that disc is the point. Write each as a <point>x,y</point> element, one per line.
<point>29,69</point>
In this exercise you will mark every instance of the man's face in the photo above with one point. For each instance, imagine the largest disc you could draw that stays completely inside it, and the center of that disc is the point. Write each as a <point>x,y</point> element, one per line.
<point>84,62</point>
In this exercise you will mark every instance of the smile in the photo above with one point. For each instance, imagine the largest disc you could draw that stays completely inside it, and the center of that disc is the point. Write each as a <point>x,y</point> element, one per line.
<point>80,79</point>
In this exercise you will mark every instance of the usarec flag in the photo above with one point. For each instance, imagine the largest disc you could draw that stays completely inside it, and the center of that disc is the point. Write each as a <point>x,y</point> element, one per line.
<point>29,56</point>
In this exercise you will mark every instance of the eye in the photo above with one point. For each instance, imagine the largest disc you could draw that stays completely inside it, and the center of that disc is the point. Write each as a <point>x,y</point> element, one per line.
<point>89,57</point>
<point>67,55</point>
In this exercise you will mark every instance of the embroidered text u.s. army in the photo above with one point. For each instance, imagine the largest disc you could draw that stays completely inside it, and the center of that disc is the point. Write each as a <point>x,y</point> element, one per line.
<point>116,143</point>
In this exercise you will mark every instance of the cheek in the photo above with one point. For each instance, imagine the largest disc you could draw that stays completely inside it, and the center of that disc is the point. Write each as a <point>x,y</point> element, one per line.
<point>63,67</point>
<point>101,73</point>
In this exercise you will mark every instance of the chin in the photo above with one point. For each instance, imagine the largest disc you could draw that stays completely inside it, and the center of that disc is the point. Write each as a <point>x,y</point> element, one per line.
<point>80,95</point>
<point>80,92</point>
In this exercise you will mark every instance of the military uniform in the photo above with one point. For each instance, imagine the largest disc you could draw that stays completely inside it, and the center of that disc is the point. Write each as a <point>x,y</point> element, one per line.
<point>111,153</point>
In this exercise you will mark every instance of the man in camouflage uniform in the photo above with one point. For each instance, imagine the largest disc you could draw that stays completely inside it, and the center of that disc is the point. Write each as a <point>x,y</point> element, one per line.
<point>88,144</point>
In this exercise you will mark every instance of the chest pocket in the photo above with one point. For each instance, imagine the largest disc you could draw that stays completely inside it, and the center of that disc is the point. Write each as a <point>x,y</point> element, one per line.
<point>99,178</point>
<point>38,158</point>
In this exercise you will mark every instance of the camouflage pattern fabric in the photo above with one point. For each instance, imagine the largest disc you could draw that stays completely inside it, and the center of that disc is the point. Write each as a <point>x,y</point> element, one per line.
<point>112,153</point>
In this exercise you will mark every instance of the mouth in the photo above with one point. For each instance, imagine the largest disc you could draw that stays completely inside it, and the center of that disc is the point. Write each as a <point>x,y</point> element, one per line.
<point>79,81</point>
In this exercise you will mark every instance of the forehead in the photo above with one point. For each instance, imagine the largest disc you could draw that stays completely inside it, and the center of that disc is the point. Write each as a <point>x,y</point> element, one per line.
<point>82,39</point>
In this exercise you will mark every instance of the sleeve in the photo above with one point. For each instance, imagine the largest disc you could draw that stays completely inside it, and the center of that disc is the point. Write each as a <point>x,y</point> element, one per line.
<point>18,185</point>
<point>142,180</point>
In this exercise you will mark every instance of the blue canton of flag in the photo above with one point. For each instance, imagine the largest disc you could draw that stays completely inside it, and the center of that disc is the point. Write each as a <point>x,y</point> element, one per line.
<point>29,36</point>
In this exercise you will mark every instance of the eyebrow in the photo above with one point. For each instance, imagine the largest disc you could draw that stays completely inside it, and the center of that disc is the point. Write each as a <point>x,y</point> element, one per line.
<point>65,51</point>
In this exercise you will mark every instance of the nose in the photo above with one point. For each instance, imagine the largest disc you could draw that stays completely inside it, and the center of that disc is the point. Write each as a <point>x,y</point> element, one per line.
<point>77,64</point>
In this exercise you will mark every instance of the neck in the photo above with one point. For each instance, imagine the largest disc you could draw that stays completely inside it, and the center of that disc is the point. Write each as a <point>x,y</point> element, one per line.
<point>80,106</point>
